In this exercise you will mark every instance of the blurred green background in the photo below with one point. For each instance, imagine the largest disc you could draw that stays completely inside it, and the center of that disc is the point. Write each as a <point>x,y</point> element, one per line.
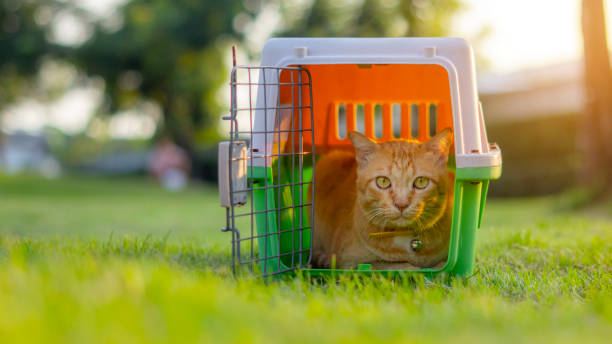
<point>91,87</point>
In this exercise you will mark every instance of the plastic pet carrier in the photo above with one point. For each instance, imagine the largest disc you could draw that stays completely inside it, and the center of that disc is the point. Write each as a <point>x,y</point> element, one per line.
<point>304,99</point>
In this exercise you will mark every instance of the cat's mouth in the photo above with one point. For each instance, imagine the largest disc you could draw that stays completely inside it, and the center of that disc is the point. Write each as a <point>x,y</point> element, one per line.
<point>408,222</point>
<point>402,220</point>
<point>413,222</point>
<point>405,220</point>
<point>401,223</point>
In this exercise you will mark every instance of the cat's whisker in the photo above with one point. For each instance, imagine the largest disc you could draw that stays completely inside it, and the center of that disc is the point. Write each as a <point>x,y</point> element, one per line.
<point>373,214</point>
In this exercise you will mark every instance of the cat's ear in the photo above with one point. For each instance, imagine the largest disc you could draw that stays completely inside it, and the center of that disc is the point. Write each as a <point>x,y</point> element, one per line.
<point>441,142</point>
<point>364,147</point>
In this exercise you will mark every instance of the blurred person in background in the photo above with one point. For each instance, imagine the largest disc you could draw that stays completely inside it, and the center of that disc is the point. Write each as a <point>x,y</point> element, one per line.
<point>170,165</point>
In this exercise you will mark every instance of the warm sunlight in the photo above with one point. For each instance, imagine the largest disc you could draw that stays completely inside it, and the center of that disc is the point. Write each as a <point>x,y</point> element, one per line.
<point>524,33</point>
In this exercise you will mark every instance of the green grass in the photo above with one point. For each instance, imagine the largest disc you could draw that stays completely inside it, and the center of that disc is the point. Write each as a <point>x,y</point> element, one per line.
<point>94,208</point>
<point>162,276</point>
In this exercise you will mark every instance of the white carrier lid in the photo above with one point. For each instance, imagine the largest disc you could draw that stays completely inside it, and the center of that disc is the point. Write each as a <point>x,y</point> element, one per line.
<point>454,54</point>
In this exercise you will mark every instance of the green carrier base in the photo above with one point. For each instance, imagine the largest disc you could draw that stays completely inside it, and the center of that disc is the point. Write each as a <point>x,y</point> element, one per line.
<point>281,251</point>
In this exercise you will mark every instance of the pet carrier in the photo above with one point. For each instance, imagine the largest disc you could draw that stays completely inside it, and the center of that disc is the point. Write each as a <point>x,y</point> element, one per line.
<point>303,100</point>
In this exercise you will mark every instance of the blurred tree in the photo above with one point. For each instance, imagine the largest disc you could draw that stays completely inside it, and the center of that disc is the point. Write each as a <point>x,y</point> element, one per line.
<point>368,18</point>
<point>171,52</point>
<point>23,42</point>
<point>597,119</point>
<point>168,52</point>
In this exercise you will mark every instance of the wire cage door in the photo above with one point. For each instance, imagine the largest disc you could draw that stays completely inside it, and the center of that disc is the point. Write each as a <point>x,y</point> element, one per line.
<point>268,165</point>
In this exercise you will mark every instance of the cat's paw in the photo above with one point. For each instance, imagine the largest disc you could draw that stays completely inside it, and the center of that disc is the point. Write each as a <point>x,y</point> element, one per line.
<point>320,260</point>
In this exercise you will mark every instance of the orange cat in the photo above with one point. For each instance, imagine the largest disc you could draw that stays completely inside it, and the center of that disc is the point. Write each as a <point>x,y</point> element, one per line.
<point>388,204</point>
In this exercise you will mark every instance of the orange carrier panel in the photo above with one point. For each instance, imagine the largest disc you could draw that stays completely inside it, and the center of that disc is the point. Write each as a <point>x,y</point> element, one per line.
<point>368,85</point>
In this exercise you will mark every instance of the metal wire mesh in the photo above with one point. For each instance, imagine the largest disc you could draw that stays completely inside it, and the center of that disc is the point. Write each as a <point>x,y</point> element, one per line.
<point>272,114</point>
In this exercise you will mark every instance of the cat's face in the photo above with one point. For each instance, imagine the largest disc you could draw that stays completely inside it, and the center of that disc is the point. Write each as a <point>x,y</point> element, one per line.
<point>403,183</point>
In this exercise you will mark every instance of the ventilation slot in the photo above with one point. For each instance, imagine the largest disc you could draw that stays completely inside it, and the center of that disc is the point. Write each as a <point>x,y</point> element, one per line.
<point>414,120</point>
<point>378,121</point>
<point>360,118</point>
<point>342,121</point>
<point>433,119</point>
<point>396,117</point>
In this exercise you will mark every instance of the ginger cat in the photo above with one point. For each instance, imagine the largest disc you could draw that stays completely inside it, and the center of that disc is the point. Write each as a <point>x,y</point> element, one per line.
<point>388,204</point>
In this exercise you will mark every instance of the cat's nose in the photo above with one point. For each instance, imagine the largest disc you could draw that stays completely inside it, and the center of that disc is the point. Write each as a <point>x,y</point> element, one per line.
<point>401,205</point>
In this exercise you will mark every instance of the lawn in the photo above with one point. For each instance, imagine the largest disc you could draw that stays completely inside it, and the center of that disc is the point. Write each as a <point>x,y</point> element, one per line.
<point>97,260</point>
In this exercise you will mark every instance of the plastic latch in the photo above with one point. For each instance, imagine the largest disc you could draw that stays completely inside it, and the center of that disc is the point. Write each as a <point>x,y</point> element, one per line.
<point>429,51</point>
<point>300,52</point>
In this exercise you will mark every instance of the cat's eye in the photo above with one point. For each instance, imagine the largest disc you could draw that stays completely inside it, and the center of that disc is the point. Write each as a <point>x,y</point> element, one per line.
<point>421,182</point>
<point>383,182</point>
